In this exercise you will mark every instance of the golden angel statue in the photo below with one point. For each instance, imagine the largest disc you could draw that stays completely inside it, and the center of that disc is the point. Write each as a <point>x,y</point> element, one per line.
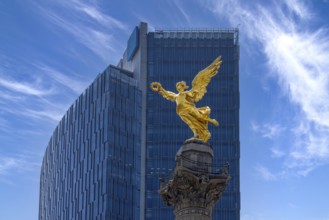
<point>196,118</point>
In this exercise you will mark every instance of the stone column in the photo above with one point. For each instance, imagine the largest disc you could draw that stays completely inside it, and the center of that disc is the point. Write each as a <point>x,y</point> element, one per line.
<point>194,187</point>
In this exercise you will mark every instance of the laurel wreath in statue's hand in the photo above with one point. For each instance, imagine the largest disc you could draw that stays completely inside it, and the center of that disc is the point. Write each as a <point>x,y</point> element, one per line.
<point>156,86</point>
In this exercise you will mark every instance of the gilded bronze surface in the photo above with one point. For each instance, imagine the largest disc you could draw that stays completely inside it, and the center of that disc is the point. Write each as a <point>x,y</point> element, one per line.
<point>196,118</point>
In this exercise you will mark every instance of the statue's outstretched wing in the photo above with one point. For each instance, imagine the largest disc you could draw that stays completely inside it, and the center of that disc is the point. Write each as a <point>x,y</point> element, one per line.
<point>202,79</point>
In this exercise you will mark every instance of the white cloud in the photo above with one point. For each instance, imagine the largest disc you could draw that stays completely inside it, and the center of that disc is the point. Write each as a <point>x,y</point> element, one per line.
<point>98,42</point>
<point>277,153</point>
<point>7,164</point>
<point>32,112</point>
<point>179,7</point>
<point>6,96</point>
<point>298,7</point>
<point>34,99</point>
<point>73,84</point>
<point>311,142</point>
<point>301,66</point>
<point>44,114</point>
<point>24,87</point>
<point>298,57</point>
<point>95,36</point>
<point>267,130</point>
<point>10,165</point>
<point>5,127</point>
<point>15,165</point>
<point>37,98</point>
<point>96,14</point>
<point>267,175</point>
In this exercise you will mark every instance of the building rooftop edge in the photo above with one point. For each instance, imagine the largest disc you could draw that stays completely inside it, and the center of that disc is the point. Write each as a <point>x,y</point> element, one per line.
<point>231,30</point>
<point>124,71</point>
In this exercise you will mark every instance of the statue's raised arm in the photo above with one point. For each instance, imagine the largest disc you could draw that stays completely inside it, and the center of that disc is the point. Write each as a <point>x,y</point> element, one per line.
<point>157,87</point>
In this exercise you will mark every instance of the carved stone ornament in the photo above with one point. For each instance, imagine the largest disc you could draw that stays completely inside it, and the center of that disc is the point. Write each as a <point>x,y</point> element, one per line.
<point>194,188</point>
<point>187,189</point>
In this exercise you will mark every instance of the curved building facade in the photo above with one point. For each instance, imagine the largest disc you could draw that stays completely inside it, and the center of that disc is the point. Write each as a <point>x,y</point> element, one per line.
<point>91,168</point>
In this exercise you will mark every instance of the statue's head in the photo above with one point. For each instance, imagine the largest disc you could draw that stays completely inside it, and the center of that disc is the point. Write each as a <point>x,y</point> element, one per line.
<point>181,86</point>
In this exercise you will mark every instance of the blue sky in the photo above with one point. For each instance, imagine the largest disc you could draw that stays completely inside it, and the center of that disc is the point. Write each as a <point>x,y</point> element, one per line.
<point>51,50</point>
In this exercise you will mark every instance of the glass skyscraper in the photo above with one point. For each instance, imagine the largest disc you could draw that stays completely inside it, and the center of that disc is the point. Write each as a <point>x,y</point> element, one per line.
<point>116,141</point>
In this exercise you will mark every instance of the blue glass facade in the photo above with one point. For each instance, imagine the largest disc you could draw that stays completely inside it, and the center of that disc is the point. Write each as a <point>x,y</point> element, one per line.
<point>132,45</point>
<point>91,168</point>
<point>174,56</point>
<point>106,156</point>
